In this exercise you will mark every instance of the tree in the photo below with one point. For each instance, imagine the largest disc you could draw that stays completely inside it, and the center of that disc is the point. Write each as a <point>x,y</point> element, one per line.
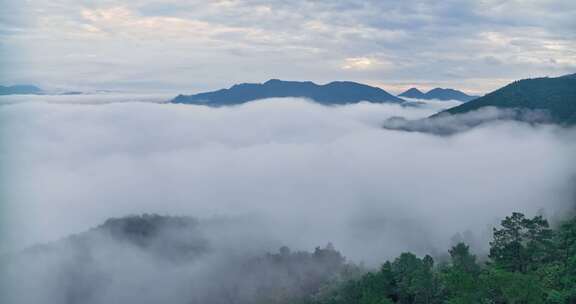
<point>507,287</point>
<point>462,260</point>
<point>416,280</point>
<point>530,264</point>
<point>520,243</point>
<point>461,278</point>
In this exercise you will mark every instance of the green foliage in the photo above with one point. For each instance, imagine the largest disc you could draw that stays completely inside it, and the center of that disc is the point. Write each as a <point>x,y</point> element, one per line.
<point>461,279</point>
<point>521,243</point>
<point>529,263</point>
<point>555,96</point>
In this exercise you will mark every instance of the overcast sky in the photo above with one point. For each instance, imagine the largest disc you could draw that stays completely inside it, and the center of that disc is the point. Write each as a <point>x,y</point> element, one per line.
<point>188,45</point>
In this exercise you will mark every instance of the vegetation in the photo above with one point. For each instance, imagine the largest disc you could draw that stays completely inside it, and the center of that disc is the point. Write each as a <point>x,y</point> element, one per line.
<point>553,96</point>
<point>528,263</point>
<point>124,255</point>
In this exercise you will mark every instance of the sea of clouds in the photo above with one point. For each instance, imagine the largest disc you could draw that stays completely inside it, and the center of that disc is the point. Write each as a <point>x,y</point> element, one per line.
<point>305,174</point>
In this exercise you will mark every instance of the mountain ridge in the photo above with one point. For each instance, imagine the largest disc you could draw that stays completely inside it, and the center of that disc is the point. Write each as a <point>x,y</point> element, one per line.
<point>20,89</point>
<point>333,93</point>
<point>556,96</point>
<point>439,94</point>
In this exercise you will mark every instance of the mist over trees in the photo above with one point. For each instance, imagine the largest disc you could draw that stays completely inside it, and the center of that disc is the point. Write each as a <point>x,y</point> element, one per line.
<point>529,262</point>
<point>152,258</point>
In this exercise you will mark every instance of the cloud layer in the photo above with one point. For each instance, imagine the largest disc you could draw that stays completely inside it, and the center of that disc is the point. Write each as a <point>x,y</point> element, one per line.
<point>306,174</point>
<point>198,45</point>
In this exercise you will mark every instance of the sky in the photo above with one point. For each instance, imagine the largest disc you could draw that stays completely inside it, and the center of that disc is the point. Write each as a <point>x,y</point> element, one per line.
<point>189,46</point>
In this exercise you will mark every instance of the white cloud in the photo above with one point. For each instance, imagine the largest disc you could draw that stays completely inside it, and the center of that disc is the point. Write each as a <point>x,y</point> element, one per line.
<point>359,63</point>
<point>315,173</point>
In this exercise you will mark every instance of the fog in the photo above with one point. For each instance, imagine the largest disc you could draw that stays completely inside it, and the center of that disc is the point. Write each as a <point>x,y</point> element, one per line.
<point>259,176</point>
<point>446,124</point>
<point>314,173</point>
<point>101,97</point>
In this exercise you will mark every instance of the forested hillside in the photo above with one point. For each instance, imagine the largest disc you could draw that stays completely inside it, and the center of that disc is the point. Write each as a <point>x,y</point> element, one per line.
<point>555,96</point>
<point>529,262</point>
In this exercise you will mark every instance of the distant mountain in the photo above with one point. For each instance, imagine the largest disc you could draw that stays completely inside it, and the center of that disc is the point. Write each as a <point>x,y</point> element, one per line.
<point>438,93</point>
<point>413,93</point>
<point>554,96</point>
<point>338,92</point>
<point>449,94</point>
<point>20,89</point>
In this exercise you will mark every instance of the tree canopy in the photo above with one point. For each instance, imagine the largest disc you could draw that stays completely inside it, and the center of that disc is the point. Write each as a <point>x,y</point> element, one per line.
<point>529,263</point>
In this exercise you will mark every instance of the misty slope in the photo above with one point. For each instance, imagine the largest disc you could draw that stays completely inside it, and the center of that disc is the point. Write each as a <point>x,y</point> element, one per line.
<point>529,262</point>
<point>162,259</point>
<point>19,89</point>
<point>171,239</point>
<point>340,92</point>
<point>439,94</point>
<point>555,96</point>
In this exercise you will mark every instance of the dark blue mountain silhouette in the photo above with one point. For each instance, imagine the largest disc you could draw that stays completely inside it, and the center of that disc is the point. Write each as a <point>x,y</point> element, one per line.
<point>413,93</point>
<point>338,92</point>
<point>438,93</point>
<point>19,89</point>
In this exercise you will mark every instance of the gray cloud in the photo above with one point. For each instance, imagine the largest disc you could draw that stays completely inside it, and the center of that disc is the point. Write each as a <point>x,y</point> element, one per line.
<point>195,45</point>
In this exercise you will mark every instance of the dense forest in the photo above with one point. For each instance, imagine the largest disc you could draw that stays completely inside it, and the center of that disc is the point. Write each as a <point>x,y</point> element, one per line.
<point>529,262</point>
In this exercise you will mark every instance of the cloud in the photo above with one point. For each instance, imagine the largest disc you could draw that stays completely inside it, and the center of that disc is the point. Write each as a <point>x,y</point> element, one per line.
<point>257,176</point>
<point>151,259</point>
<point>446,124</point>
<point>311,173</point>
<point>87,98</point>
<point>361,63</point>
<point>193,45</point>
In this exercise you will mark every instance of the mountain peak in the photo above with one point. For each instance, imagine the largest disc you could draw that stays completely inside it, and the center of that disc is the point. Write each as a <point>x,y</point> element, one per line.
<point>274,81</point>
<point>448,94</point>
<point>413,90</point>
<point>438,93</point>
<point>413,93</point>
<point>337,92</point>
<point>437,90</point>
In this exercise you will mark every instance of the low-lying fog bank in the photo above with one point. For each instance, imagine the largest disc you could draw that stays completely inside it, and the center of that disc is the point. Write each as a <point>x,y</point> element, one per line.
<point>304,174</point>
